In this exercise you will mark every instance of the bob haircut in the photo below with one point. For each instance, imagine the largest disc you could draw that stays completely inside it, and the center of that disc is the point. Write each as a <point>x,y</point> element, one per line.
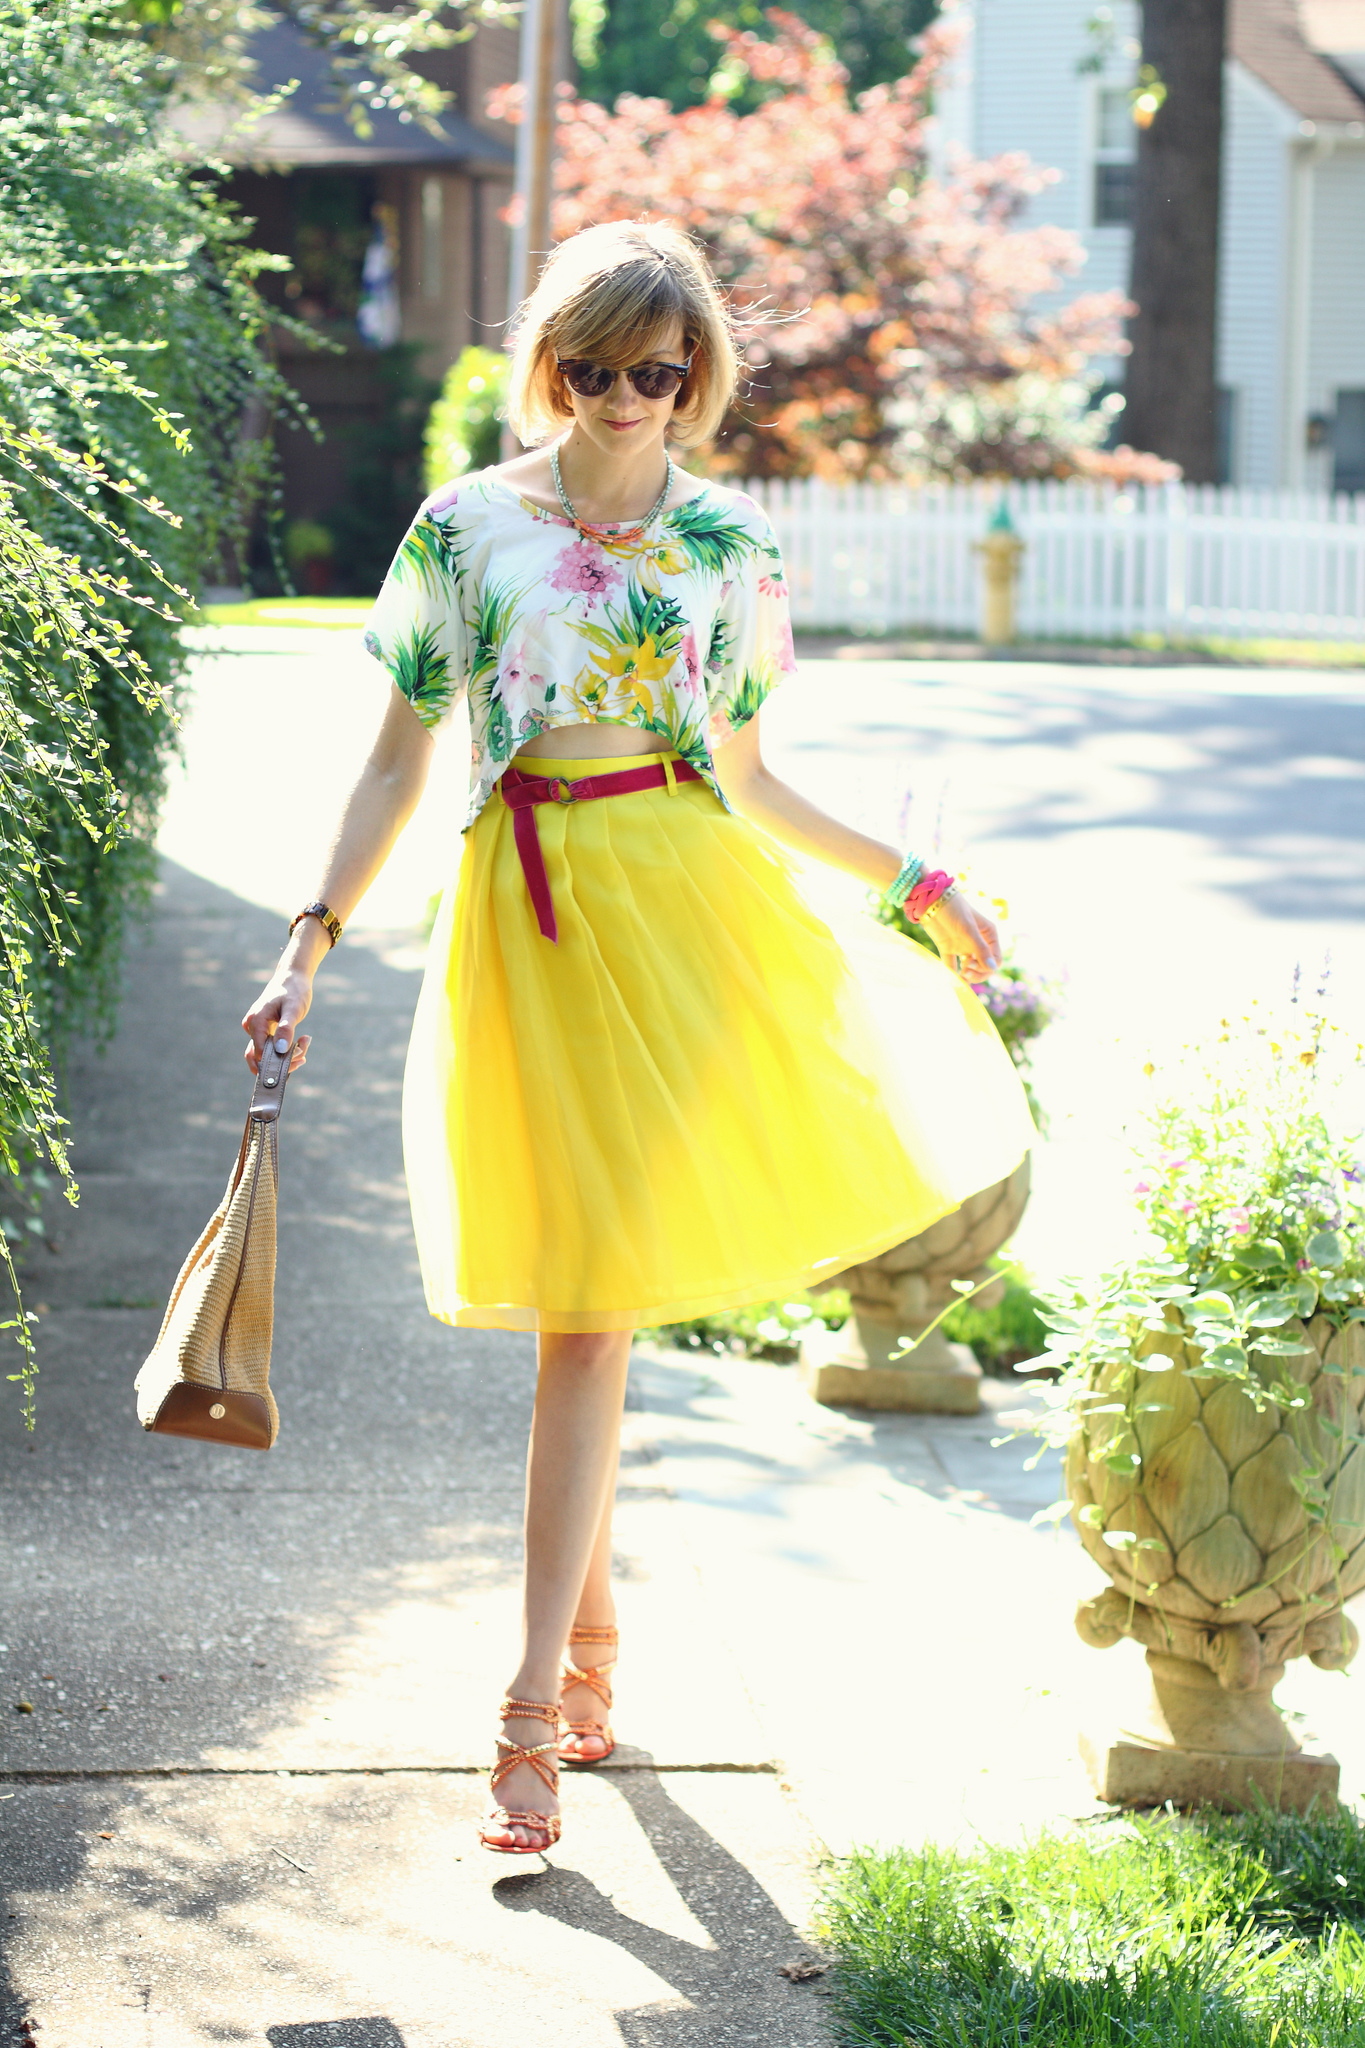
<point>607,295</point>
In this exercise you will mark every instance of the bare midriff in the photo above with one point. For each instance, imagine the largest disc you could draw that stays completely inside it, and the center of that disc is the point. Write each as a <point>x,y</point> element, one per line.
<point>593,741</point>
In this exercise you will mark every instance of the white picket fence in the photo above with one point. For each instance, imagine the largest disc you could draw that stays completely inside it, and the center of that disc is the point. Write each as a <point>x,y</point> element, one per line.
<point>1101,562</point>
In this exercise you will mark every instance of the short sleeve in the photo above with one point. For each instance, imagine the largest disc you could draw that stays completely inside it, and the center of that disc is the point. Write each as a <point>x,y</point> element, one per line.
<point>417,628</point>
<point>751,641</point>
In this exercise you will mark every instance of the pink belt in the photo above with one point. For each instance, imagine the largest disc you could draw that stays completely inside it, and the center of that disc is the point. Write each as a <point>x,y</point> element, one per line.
<point>521,793</point>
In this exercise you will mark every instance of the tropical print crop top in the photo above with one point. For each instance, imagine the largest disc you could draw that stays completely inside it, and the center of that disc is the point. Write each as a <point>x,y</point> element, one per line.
<point>681,628</point>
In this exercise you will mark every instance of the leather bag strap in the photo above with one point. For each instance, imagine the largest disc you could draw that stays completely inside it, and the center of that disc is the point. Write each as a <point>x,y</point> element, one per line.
<point>267,1097</point>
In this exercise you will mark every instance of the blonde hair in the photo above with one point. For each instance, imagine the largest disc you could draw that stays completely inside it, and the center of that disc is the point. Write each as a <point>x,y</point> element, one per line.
<point>607,294</point>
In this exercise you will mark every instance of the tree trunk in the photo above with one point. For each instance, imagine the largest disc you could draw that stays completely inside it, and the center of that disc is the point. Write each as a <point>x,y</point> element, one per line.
<point>1172,373</point>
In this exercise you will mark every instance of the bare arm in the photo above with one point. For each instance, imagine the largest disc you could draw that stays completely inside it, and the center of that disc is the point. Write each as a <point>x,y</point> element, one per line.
<point>966,939</point>
<point>384,798</point>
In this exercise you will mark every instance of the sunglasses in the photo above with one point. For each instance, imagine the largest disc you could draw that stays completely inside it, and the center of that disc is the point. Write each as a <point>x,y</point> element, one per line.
<point>651,380</point>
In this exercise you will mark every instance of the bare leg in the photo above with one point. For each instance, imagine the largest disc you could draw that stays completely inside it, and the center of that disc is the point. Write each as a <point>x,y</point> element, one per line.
<point>575,1442</point>
<point>596,1609</point>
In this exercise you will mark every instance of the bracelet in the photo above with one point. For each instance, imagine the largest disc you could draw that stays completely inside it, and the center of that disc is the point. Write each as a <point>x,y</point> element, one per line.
<point>328,919</point>
<point>927,894</point>
<point>939,901</point>
<point>911,868</point>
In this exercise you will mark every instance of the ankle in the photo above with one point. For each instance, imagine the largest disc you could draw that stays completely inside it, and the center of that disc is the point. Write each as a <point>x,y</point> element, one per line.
<point>535,1689</point>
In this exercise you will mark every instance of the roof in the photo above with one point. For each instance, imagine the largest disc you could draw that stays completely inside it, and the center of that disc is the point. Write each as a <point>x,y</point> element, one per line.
<point>309,128</point>
<point>1311,54</point>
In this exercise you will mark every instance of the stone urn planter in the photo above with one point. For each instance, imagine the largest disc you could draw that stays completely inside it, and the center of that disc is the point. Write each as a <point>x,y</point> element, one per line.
<point>1230,1550</point>
<point>898,1295</point>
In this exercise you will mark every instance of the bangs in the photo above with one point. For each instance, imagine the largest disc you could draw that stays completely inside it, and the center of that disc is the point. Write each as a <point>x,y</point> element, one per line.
<point>623,318</point>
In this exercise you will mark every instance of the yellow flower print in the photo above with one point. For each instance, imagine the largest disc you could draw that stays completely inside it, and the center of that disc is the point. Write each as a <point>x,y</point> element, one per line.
<point>661,561</point>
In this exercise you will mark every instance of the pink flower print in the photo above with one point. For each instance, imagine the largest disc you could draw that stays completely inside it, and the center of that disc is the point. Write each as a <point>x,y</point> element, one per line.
<point>691,657</point>
<point>442,500</point>
<point>1238,1221</point>
<point>1142,1187</point>
<point>772,586</point>
<point>786,649</point>
<point>584,571</point>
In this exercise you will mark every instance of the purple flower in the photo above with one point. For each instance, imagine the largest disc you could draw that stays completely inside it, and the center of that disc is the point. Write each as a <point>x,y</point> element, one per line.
<point>690,656</point>
<point>584,570</point>
<point>442,500</point>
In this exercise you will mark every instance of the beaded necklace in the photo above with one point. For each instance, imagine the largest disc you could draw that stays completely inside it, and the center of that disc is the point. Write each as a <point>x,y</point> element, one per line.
<point>595,532</point>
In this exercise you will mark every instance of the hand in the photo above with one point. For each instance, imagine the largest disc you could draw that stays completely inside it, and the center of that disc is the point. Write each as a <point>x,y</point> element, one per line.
<point>967,940</point>
<point>285,1000</point>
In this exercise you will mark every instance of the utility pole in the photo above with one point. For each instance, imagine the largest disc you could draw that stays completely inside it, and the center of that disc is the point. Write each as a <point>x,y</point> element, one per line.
<point>542,49</point>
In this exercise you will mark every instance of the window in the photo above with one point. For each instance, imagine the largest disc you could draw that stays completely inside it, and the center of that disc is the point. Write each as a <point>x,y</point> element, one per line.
<point>1348,442</point>
<point>1115,149</point>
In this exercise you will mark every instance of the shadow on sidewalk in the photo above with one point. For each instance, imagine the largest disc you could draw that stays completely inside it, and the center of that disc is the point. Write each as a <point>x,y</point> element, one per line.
<point>750,1935</point>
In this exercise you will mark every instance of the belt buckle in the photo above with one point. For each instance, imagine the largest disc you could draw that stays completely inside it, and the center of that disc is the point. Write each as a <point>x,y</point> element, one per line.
<point>562,790</point>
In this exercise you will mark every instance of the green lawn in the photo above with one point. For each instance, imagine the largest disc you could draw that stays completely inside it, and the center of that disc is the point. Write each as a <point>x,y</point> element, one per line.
<point>1243,1931</point>
<point>347,612</point>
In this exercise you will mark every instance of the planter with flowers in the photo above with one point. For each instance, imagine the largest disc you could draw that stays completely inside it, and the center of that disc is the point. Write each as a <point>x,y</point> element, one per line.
<point>1209,1397</point>
<point>892,1352</point>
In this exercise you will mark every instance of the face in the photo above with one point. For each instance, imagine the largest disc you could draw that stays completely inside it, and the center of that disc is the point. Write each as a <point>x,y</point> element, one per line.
<point>622,420</point>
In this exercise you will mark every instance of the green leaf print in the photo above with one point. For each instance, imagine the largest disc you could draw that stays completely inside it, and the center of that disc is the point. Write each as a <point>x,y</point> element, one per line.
<point>722,646</point>
<point>493,618</point>
<point>710,540</point>
<point>748,693</point>
<point>422,673</point>
<point>427,557</point>
<point>498,729</point>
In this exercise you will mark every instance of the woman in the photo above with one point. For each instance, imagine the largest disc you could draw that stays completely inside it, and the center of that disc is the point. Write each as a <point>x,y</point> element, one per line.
<point>646,1082</point>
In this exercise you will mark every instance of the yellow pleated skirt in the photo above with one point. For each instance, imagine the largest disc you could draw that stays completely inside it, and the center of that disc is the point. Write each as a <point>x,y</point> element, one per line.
<point>700,1097</point>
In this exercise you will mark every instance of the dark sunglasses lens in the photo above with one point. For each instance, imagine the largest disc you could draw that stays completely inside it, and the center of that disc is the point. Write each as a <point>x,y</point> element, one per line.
<point>655,380</point>
<point>589,380</point>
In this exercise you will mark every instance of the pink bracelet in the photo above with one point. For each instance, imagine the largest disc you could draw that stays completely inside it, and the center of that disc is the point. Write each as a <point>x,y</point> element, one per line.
<point>929,890</point>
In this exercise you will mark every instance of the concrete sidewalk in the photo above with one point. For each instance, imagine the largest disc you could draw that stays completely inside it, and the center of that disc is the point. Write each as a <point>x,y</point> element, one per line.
<point>263,1688</point>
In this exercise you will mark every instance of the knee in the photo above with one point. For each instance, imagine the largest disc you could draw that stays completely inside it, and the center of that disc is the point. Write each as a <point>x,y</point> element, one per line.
<point>587,1351</point>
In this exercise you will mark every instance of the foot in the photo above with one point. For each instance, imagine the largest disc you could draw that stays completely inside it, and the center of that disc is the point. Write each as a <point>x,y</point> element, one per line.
<point>585,1696</point>
<point>524,1818</point>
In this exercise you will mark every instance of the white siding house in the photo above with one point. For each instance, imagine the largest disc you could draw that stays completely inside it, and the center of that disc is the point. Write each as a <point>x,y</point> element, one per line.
<point>1036,76</point>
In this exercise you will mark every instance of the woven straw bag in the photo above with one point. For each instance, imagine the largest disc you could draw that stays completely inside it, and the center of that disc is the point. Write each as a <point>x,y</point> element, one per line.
<point>208,1374</point>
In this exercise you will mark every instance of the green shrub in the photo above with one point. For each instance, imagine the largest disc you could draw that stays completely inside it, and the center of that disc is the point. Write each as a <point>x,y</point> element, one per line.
<point>129,353</point>
<point>1003,1335</point>
<point>464,429</point>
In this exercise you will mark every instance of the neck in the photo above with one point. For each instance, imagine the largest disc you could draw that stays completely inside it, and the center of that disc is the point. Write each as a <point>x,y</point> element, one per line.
<point>606,489</point>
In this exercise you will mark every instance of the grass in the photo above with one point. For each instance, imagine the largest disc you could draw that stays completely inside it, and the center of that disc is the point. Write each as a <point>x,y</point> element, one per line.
<point>311,612</point>
<point>1224,1931</point>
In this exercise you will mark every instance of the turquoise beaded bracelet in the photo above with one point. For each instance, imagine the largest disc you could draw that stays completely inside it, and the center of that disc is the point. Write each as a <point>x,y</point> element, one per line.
<point>911,869</point>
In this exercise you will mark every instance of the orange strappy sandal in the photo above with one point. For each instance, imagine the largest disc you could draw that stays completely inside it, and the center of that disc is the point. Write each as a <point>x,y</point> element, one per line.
<point>595,1680</point>
<point>510,1754</point>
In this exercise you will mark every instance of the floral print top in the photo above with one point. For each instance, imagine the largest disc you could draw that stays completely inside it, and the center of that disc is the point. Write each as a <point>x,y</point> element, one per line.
<point>681,628</point>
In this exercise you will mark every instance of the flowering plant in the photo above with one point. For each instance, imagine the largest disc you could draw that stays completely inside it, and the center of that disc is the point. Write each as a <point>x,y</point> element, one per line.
<point>1254,1199</point>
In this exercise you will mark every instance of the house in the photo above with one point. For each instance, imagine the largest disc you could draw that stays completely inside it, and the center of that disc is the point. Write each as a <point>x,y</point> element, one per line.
<point>1053,78</point>
<point>394,237</point>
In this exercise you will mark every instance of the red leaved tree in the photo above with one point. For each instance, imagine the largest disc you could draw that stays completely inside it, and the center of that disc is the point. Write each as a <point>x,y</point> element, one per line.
<point>888,314</point>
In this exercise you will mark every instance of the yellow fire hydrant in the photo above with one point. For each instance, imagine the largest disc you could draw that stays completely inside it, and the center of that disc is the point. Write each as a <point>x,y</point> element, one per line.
<point>1000,553</point>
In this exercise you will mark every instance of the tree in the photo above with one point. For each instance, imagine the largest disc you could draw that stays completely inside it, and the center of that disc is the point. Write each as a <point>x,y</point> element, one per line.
<point>888,315</point>
<point>370,50</point>
<point>633,46</point>
<point>1171,382</point>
